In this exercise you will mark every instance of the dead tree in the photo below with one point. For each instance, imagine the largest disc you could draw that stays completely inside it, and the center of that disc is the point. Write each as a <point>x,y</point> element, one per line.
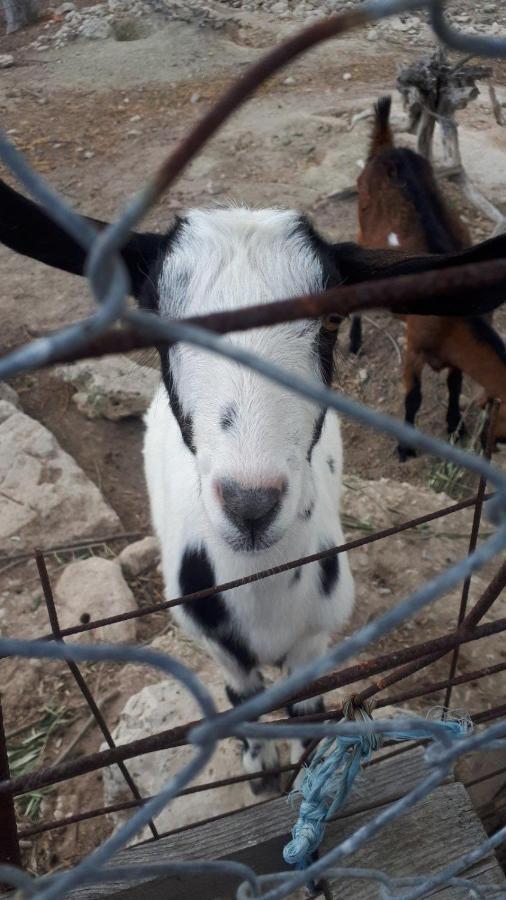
<point>19,13</point>
<point>432,91</point>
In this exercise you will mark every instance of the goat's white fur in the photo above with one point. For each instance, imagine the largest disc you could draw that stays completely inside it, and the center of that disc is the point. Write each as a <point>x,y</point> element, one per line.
<point>224,259</point>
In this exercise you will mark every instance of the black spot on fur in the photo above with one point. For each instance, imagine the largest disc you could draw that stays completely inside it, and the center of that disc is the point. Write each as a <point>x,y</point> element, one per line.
<point>329,573</point>
<point>317,433</point>
<point>331,464</point>
<point>197,574</point>
<point>325,344</point>
<point>311,706</point>
<point>237,648</point>
<point>324,252</point>
<point>149,298</point>
<point>325,340</point>
<point>184,420</point>
<point>238,697</point>
<point>210,613</point>
<point>228,417</point>
<point>307,513</point>
<point>297,575</point>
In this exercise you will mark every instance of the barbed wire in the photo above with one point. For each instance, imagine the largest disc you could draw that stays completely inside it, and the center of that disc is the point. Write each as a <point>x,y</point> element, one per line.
<point>109,282</point>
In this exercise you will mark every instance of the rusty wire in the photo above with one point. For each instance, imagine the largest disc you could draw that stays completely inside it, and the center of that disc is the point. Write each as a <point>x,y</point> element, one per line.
<point>451,291</point>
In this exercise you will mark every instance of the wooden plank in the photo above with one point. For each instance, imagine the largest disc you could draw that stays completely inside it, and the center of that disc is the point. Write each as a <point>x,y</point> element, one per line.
<point>255,835</point>
<point>438,831</point>
<point>427,839</point>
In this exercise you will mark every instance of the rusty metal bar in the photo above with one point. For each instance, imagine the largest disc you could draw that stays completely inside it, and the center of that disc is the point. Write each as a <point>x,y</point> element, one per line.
<point>133,804</point>
<point>79,679</point>
<point>9,843</point>
<point>487,599</point>
<point>72,545</point>
<point>268,573</point>
<point>336,713</point>
<point>444,291</point>
<point>493,410</point>
<point>177,737</point>
<point>387,681</point>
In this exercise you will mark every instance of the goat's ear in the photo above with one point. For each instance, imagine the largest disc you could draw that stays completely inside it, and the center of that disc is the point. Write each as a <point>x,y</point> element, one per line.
<point>27,229</point>
<point>357,264</point>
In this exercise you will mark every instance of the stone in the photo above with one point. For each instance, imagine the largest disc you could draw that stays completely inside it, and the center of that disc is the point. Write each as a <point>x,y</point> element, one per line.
<point>91,589</point>
<point>111,388</point>
<point>46,497</point>
<point>163,705</point>
<point>9,394</point>
<point>6,60</point>
<point>65,8</point>
<point>399,25</point>
<point>139,556</point>
<point>95,29</point>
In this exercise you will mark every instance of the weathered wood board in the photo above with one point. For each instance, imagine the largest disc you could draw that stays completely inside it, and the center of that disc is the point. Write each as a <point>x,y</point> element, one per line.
<point>425,840</point>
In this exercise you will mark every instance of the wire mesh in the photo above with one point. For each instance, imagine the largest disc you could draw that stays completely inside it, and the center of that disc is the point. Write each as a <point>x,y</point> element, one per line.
<point>441,292</point>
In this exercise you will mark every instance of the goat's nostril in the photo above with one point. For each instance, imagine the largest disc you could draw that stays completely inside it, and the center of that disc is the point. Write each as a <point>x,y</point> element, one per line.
<point>251,508</point>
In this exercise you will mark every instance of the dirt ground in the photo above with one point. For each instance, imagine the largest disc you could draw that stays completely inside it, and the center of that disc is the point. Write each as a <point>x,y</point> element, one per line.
<point>97,118</point>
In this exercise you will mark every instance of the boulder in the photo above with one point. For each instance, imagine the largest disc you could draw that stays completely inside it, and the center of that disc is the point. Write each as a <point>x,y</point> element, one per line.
<point>46,497</point>
<point>140,556</point>
<point>92,589</point>
<point>111,388</point>
<point>160,706</point>
<point>9,394</point>
<point>96,29</point>
<point>6,60</point>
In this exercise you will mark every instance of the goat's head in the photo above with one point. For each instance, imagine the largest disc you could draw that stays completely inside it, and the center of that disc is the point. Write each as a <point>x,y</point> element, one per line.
<point>252,441</point>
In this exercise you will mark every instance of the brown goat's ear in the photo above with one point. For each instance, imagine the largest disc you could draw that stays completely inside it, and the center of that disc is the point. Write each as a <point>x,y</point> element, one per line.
<point>26,228</point>
<point>358,264</point>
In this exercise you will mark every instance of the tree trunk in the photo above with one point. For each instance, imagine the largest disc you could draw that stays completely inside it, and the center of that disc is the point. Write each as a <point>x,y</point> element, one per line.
<point>19,13</point>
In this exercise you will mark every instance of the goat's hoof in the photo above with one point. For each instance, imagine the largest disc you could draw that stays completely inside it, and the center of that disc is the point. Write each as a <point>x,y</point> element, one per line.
<point>405,453</point>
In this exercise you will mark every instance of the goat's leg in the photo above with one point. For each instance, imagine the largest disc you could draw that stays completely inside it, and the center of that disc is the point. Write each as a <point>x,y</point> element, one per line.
<point>355,334</point>
<point>257,755</point>
<point>453,417</point>
<point>304,652</point>
<point>413,367</point>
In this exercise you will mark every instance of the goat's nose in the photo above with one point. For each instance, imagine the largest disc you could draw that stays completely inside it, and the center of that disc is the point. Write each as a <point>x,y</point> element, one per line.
<point>251,509</point>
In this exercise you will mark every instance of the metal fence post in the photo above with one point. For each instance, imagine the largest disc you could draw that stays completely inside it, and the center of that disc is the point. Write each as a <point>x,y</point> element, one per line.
<point>9,843</point>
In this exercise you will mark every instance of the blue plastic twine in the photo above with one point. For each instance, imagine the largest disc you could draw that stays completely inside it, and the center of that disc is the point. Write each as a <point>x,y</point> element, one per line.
<point>329,778</point>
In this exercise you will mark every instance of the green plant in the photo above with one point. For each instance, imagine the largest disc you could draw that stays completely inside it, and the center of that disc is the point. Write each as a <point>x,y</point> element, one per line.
<point>450,478</point>
<point>26,748</point>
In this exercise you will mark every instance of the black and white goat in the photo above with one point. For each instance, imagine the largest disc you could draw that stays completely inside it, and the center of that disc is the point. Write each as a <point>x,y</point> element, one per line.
<point>241,473</point>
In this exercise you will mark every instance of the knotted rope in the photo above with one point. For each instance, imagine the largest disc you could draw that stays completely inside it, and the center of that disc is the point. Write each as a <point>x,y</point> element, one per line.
<point>329,777</point>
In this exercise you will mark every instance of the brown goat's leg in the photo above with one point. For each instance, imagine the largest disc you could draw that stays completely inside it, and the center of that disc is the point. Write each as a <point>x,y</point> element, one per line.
<point>413,368</point>
<point>453,417</point>
<point>355,334</point>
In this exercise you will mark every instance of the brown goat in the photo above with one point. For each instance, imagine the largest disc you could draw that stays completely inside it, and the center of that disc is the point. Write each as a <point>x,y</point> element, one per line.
<point>400,205</point>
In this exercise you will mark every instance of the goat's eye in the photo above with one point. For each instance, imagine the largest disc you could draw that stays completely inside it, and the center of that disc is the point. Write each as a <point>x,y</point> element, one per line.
<point>228,417</point>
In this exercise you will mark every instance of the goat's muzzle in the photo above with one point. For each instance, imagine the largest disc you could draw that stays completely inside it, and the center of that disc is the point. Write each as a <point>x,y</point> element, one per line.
<point>252,510</point>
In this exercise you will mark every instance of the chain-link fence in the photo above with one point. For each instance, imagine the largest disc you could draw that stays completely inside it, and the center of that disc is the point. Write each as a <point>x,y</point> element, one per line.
<point>449,291</point>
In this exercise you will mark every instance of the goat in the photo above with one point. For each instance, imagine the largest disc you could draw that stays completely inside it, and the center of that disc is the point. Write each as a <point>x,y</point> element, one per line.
<point>241,473</point>
<point>401,206</point>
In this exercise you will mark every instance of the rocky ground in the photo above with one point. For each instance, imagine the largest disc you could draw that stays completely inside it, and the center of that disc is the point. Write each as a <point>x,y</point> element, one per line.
<point>96,96</point>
